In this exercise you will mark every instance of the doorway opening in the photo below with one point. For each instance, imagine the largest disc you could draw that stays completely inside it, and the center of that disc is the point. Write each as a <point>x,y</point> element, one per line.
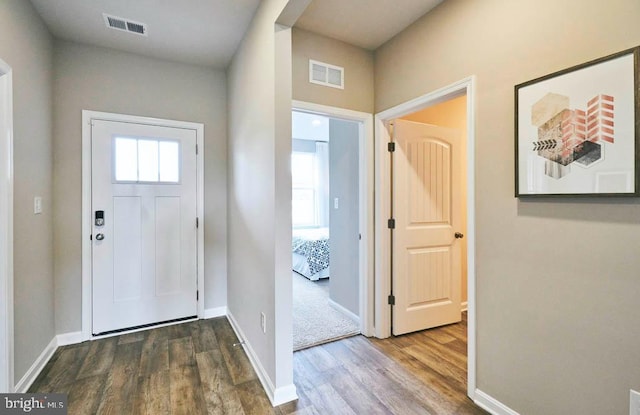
<point>417,113</point>
<point>429,209</point>
<point>325,234</point>
<point>331,211</point>
<point>6,229</point>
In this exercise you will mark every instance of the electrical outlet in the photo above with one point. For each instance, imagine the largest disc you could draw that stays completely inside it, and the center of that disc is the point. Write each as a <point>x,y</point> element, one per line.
<point>263,322</point>
<point>634,402</point>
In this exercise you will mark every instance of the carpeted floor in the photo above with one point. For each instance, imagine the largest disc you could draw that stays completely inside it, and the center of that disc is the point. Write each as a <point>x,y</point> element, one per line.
<point>314,320</point>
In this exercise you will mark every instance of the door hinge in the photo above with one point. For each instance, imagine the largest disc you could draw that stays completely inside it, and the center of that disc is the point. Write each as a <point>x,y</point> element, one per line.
<point>391,147</point>
<point>391,223</point>
<point>391,299</point>
<point>197,295</point>
<point>197,222</point>
<point>196,149</point>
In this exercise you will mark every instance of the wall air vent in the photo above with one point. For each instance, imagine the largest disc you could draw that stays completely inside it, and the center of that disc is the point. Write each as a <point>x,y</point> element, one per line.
<point>125,25</point>
<point>325,74</point>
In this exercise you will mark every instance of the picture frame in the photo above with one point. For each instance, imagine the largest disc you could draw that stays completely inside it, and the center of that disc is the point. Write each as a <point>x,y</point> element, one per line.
<point>577,131</point>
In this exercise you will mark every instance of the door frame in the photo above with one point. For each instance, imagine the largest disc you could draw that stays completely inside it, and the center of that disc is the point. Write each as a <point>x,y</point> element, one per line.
<point>87,226</point>
<point>466,86</point>
<point>365,157</point>
<point>7,382</point>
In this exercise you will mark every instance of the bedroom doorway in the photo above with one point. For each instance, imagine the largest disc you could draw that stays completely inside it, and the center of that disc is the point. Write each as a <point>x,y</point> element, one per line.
<point>329,255</point>
<point>461,95</point>
<point>429,210</point>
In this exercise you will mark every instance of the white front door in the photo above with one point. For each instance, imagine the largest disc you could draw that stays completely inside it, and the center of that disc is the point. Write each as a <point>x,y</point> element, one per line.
<point>144,224</point>
<point>426,270</point>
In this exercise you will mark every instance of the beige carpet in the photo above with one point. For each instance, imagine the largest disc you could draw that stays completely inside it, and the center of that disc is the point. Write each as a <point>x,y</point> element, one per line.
<point>314,320</point>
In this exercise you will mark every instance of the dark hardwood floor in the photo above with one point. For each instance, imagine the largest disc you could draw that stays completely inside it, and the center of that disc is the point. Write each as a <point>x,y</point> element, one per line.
<point>194,368</point>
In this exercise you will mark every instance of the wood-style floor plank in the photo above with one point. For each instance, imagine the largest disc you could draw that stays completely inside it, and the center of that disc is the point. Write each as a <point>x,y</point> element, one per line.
<point>195,368</point>
<point>253,398</point>
<point>153,394</point>
<point>360,399</point>
<point>85,396</point>
<point>63,371</point>
<point>132,337</point>
<point>185,388</point>
<point>99,358</point>
<point>327,400</point>
<point>155,353</point>
<point>233,354</point>
<point>221,397</point>
<point>204,337</point>
<point>120,389</point>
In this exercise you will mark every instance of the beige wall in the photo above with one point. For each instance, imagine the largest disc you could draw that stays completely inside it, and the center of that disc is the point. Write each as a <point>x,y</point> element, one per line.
<point>557,279</point>
<point>25,45</point>
<point>92,78</point>
<point>259,183</point>
<point>358,74</point>
<point>452,114</point>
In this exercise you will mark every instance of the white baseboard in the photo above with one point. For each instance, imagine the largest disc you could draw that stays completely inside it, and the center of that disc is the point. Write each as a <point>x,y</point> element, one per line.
<point>492,405</point>
<point>344,311</point>
<point>215,312</point>
<point>23,384</point>
<point>284,395</point>
<point>464,306</point>
<point>66,339</point>
<point>276,396</point>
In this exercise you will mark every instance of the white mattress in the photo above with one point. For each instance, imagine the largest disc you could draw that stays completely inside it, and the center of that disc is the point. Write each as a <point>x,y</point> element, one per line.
<point>301,266</point>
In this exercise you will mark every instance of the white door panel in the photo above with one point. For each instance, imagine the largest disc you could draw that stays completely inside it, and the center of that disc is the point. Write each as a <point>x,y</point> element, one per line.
<point>127,249</point>
<point>144,269</point>
<point>426,208</point>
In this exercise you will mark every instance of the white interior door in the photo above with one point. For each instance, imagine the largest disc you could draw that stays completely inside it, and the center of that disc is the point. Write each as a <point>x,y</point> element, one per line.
<point>426,270</point>
<point>144,264</point>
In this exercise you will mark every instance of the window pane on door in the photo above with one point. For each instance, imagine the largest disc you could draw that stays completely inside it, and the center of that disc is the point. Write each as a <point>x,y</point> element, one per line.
<point>126,159</point>
<point>169,161</point>
<point>147,160</point>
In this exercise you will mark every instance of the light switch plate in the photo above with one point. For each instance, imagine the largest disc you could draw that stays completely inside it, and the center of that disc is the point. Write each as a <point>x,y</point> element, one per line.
<point>335,203</point>
<point>37,205</point>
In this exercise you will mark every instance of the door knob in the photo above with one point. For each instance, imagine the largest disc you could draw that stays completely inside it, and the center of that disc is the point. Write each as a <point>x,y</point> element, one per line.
<point>458,235</point>
<point>99,237</point>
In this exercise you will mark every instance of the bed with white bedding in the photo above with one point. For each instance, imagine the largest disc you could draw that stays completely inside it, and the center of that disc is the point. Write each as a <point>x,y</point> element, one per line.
<point>311,252</point>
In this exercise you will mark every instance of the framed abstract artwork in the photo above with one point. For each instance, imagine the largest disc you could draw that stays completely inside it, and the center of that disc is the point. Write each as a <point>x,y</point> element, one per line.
<point>577,130</point>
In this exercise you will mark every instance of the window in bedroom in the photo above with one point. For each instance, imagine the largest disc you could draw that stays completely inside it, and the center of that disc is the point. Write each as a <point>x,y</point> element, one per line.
<point>304,206</point>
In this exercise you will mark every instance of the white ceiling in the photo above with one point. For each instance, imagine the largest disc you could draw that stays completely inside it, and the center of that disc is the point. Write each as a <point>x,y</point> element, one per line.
<point>203,32</point>
<point>207,32</point>
<point>364,23</point>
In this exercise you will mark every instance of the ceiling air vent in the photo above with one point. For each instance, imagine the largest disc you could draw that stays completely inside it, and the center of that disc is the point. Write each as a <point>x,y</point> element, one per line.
<point>125,25</point>
<point>325,74</point>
